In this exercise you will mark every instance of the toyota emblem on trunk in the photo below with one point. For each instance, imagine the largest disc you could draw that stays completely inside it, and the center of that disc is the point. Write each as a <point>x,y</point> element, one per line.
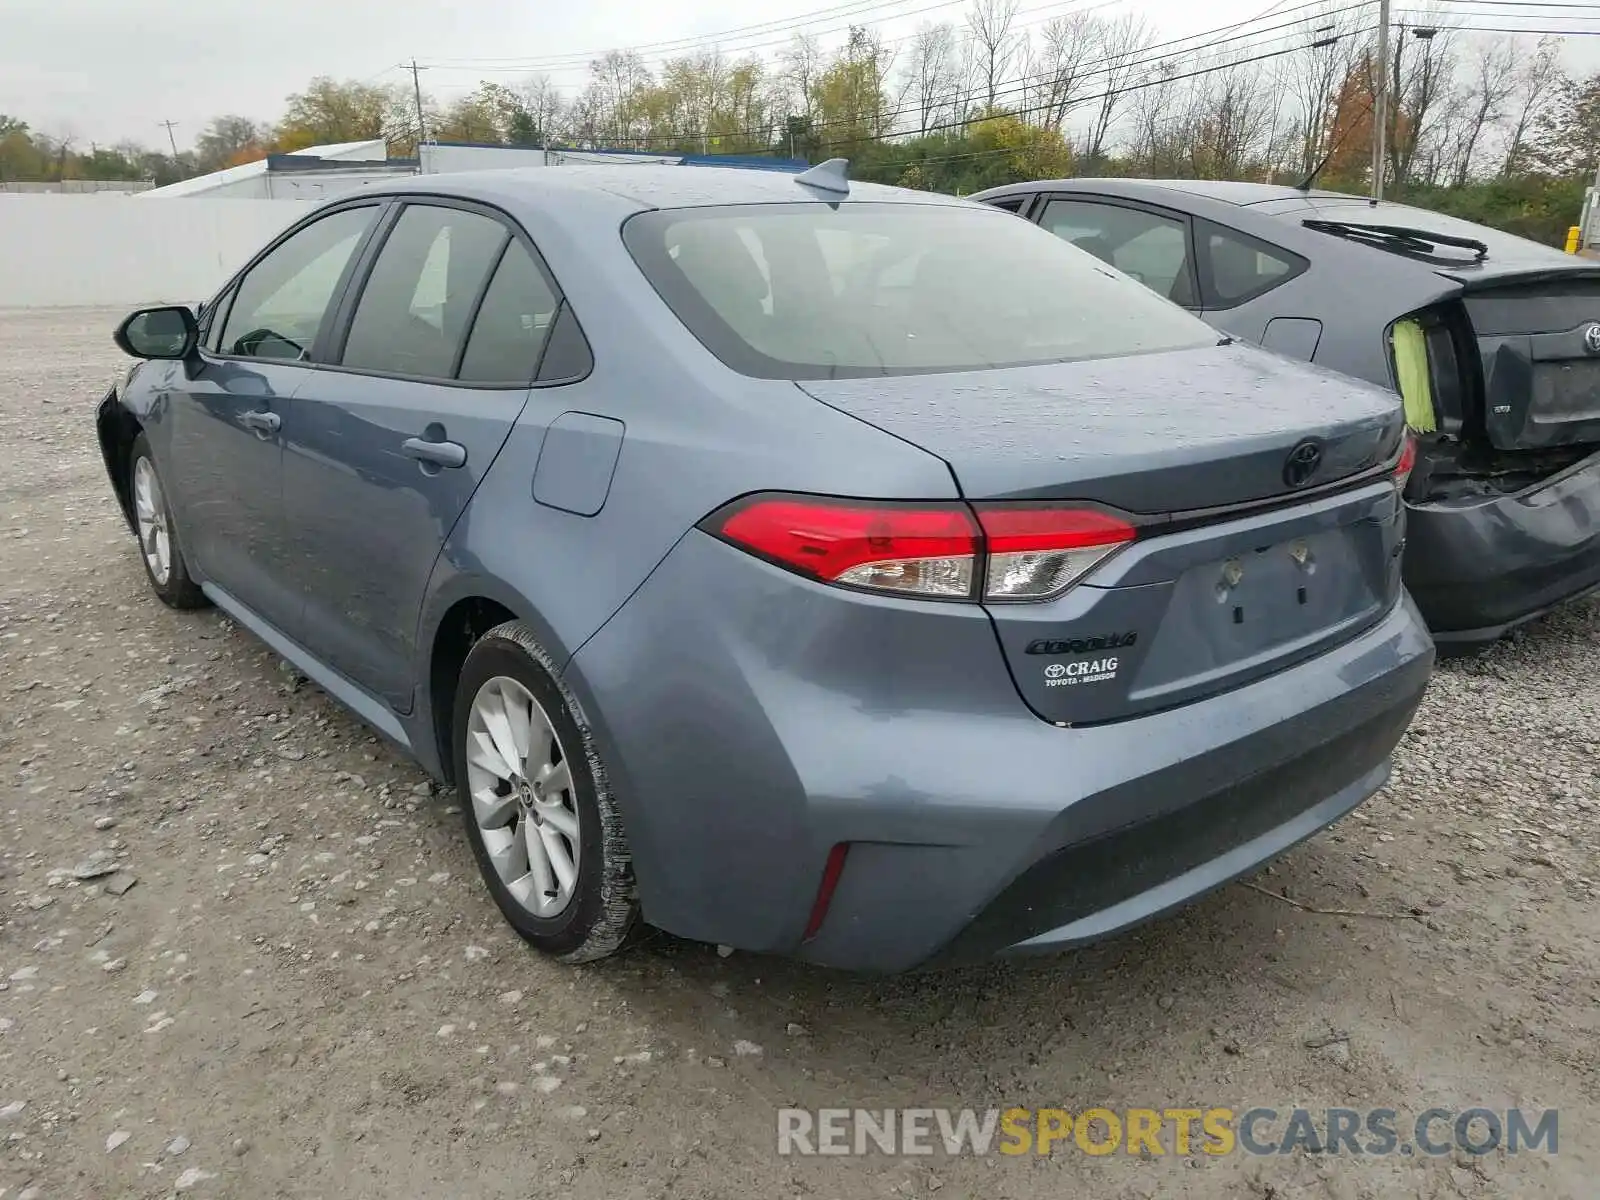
<point>1591,338</point>
<point>1302,464</point>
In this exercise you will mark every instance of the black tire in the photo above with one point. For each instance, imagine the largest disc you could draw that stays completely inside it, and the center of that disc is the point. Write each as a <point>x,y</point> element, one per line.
<point>179,590</point>
<point>604,907</point>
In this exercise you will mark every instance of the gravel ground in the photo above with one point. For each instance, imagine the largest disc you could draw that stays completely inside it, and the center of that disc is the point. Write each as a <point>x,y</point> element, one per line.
<point>291,983</point>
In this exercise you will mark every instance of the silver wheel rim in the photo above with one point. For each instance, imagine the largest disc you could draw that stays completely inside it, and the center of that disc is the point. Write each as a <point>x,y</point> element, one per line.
<point>150,513</point>
<point>522,797</point>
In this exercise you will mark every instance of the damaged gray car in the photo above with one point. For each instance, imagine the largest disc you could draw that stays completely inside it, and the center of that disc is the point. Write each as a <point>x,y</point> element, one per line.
<point>1493,342</point>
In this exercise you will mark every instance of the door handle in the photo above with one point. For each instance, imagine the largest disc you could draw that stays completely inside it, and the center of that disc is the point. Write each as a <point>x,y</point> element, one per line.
<point>263,423</point>
<point>439,454</point>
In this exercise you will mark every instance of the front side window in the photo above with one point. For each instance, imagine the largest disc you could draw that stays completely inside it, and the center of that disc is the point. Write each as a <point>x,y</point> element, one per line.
<point>812,291</point>
<point>279,305</point>
<point>1238,267</point>
<point>413,313</point>
<point>1152,248</point>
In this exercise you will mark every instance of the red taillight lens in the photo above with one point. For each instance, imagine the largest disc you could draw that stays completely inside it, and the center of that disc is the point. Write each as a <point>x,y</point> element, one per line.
<point>933,550</point>
<point>921,549</point>
<point>1037,552</point>
<point>1408,460</point>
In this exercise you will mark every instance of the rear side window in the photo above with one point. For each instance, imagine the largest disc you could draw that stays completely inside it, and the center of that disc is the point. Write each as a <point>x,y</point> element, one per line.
<point>1152,248</point>
<point>277,308</point>
<point>413,313</point>
<point>813,291</point>
<point>1237,267</point>
<point>512,324</point>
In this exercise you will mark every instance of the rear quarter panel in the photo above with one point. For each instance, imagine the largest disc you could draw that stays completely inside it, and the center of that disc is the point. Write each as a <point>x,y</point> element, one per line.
<point>1356,292</point>
<point>693,436</point>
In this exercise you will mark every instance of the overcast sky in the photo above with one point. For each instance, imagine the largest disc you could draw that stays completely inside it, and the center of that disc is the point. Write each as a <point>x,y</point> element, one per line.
<point>107,70</point>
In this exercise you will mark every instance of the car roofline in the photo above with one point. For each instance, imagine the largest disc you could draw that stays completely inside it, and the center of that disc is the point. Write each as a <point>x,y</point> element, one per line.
<point>523,184</point>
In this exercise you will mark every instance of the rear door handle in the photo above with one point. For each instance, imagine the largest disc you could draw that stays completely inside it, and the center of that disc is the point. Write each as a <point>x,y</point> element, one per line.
<point>262,422</point>
<point>440,454</point>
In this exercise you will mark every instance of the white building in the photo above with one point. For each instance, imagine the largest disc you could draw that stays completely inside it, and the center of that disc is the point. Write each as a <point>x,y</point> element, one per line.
<point>314,173</point>
<point>322,171</point>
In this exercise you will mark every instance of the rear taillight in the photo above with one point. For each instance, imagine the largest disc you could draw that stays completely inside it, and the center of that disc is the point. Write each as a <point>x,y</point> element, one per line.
<point>924,550</point>
<point>1408,460</point>
<point>1040,552</point>
<point>939,551</point>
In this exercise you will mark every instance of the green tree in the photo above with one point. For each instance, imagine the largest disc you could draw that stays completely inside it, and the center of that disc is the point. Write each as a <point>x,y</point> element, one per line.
<point>996,147</point>
<point>850,97</point>
<point>229,141</point>
<point>329,111</point>
<point>21,159</point>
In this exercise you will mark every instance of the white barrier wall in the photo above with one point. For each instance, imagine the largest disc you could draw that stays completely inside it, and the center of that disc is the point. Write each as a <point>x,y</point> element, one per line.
<point>108,249</point>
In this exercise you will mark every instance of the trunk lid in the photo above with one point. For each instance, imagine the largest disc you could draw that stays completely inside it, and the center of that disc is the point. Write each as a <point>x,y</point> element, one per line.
<point>1538,340</point>
<point>1158,433</point>
<point>1243,564</point>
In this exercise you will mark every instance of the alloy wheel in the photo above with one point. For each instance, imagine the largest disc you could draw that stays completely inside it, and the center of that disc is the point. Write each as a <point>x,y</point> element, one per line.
<point>150,514</point>
<point>522,797</point>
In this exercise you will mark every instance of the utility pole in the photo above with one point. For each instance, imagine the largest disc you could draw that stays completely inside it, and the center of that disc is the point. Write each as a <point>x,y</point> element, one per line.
<point>1380,101</point>
<point>416,88</point>
<point>172,141</point>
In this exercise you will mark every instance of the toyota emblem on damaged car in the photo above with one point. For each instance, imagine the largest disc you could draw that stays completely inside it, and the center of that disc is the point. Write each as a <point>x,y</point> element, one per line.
<point>1591,337</point>
<point>1302,464</point>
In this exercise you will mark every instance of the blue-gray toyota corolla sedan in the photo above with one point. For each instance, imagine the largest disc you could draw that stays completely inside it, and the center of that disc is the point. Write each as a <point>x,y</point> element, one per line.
<point>820,569</point>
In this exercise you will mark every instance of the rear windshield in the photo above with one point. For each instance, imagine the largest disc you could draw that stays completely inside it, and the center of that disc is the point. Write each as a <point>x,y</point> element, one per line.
<point>813,291</point>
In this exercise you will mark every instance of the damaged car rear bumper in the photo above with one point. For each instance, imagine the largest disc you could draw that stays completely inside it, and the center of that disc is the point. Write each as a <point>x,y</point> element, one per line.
<point>1479,566</point>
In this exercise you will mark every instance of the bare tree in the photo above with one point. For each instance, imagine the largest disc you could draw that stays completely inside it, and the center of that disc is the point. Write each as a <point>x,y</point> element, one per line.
<point>542,102</point>
<point>1536,82</point>
<point>1421,70</point>
<point>931,74</point>
<point>990,25</point>
<point>801,67</point>
<point>1333,45</point>
<point>1159,126</point>
<point>1238,108</point>
<point>1066,51</point>
<point>616,79</point>
<point>1121,43</point>
<point>1491,83</point>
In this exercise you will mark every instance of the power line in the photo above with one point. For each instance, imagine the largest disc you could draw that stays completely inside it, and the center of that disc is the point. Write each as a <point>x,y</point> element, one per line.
<point>531,66</point>
<point>1540,32</point>
<point>1105,67</point>
<point>1526,3</point>
<point>1132,87</point>
<point>931,158</point>
<point>678,45</point>
<point>562,64</point>
<point>1426,18</point>
<point>1148,83</point>
<point>169,126</point>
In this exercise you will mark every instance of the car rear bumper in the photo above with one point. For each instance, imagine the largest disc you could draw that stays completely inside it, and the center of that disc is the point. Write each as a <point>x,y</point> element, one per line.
<point>1479,568</point>
<point>751,722</point>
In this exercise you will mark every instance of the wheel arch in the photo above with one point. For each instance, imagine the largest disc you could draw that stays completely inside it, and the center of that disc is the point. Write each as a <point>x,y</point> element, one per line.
<point>116,429</point>
<point>456,617</point>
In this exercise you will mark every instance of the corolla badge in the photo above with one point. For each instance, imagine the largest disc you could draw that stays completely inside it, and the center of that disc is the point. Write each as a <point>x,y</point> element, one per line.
<point>1302,464</point>
<point>1591,337</point>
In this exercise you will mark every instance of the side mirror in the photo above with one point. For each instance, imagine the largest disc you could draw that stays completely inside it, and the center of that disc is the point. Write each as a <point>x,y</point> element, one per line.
<point>167,332</point>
